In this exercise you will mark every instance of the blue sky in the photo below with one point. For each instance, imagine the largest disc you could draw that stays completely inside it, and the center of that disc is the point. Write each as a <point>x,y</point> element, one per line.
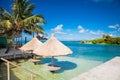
<point>77,19</point>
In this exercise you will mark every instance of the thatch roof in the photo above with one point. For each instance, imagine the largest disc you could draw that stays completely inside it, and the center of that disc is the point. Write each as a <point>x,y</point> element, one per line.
<point>52,47</point>
<point>31,45</point>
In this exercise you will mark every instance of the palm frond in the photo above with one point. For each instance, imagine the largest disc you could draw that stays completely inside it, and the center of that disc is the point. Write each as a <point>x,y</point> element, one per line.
<point>33,20</point>
<point>29,8</point>
<point>4,14</point>
<point>5,24</point>
<point>27,31</point>
<point>21,18</point>
<point>39,30</point>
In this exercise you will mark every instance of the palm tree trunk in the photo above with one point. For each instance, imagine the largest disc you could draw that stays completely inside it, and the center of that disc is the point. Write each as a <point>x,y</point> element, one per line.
<point>10,44</point>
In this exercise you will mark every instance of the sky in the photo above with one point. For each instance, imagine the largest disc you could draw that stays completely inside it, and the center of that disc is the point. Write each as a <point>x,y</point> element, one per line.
<point>77,19</point>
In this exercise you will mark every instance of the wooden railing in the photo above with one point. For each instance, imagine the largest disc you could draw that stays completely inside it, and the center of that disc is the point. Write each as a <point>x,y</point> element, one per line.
<point>32,74</point>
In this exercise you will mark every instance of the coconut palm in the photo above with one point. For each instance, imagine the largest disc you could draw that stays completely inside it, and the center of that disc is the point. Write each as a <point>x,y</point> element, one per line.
<point>20,19</point>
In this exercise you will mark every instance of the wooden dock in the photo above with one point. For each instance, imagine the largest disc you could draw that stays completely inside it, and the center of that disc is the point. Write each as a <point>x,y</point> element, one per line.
<point>107,71</point>
<point>12,54</point>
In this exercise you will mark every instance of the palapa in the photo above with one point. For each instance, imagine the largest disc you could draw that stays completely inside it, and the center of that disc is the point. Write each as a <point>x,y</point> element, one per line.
<point>31,45</point>
<point>52,48</point>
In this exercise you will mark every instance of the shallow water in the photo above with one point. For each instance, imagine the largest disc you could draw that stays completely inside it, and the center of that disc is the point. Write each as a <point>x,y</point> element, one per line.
<point>84,58</point>
<point>70,67</point>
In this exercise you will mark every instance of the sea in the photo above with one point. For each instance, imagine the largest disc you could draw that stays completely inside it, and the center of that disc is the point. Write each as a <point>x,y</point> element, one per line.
<point>83,58</point>
<point>98,52</point>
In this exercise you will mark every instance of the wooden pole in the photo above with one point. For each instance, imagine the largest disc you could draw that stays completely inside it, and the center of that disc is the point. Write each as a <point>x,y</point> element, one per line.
<point>32,77</point>
<point>8,71</point>
<point>52,60</point>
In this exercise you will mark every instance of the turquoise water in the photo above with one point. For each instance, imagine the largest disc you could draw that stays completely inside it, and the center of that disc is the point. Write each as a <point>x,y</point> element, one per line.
<point>98,52</point>
<point>84,58</point>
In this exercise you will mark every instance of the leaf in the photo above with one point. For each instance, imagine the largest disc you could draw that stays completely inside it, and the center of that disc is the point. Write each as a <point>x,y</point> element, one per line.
<point>6,24</point>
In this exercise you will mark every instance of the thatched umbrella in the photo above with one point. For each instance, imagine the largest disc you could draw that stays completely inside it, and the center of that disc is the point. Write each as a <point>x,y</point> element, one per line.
<point>31,45</point>
<point>52,48</point>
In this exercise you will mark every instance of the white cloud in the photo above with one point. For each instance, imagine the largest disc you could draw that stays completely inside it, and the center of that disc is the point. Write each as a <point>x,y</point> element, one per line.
<point>99,32</point>
<point>114,26</point>
<point>81,29</point>
<point>92,32</point>
<point>58,29</point>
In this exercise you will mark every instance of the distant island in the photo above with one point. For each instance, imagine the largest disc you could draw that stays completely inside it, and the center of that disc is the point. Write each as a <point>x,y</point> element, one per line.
<point>106,39</point>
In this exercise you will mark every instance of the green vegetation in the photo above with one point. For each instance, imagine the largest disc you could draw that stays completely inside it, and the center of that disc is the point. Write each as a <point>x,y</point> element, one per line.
<point>85,42</point>
<point>20,19</point>
<point>96,41</point>
<point>106,39</point>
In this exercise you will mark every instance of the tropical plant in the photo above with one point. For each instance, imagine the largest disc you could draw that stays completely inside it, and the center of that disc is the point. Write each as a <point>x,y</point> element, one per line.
<point>106,39</point>
<point>20,19</point>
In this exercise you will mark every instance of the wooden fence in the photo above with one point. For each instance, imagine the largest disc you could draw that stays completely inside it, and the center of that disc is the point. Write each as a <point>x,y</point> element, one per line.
<point>32,74</point>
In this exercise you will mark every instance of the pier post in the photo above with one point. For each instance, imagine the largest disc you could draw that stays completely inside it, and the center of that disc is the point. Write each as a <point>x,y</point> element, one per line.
<point>8,71</point>
<point>32,77</point>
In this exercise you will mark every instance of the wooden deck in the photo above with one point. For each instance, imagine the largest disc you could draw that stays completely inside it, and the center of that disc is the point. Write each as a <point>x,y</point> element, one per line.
<point>13,53</point>
<point>107,71</point>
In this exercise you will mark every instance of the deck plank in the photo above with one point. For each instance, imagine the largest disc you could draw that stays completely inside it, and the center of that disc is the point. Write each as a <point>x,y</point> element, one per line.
<point>13,53</point>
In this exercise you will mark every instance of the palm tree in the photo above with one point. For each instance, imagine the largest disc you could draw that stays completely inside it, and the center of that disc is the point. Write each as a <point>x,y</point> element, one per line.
<point>20,19</point>
<point>106,37</point>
